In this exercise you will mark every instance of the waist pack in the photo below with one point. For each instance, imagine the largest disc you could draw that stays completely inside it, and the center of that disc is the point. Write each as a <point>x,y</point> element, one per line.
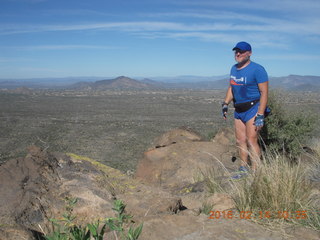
<point>242,107</point>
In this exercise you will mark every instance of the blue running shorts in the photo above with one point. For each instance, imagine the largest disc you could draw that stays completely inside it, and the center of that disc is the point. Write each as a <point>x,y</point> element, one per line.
<point>247,115</point>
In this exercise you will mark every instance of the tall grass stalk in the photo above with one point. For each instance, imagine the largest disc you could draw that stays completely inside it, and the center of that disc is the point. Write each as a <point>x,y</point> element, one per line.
<point>278,185</point>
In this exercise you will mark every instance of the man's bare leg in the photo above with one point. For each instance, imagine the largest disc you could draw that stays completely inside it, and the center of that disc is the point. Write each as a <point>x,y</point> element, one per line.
<point>252,140</point>
<point>241,138</point>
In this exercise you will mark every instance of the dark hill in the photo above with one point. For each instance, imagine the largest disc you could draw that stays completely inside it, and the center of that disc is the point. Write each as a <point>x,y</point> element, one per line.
<point>121,83</point>
<point>296,82</point>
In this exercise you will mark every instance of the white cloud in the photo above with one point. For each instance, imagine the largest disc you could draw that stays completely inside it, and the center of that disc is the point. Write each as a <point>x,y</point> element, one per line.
<point>280,26</point>
<point>273,30</point>
<point>265,5</point>
<point>74,12</point>
<point>219,15</point>
<point>251,22</point>
<point>62,47</point>
<point>275,34</point>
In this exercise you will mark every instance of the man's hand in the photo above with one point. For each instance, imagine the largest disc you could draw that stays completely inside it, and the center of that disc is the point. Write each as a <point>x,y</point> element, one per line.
<point>224,110</point>
<point>259,121</point>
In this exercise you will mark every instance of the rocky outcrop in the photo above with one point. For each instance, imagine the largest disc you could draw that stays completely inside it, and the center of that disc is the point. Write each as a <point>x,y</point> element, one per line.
<point>179,135</point>
<point>179,158</point>
<point>24,183</point>
<point>166,195</point>
<point>34,189</point>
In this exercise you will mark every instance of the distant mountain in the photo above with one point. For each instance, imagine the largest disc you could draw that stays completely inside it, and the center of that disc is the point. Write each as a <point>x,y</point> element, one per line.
<point>188,79</point>
<point>13,84</point>
<point>121,83</point>
<point>291,83</point>
<point>146,83</point>
<point>156,84</point>
<point>188,84</point>
<point>296,83</point>
<point>44,82</point>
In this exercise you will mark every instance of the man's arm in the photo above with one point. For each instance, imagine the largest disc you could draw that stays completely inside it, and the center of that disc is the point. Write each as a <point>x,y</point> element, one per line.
<point>227,100</point>
<point>263,88</point>
<point>229,96</point>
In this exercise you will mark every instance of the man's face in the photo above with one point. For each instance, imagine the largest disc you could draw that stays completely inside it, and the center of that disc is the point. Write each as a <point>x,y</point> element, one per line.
<point>241,56</point>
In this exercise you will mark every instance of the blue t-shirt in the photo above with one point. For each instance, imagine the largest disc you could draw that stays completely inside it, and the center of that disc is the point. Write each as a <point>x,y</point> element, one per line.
<point>244,82</point>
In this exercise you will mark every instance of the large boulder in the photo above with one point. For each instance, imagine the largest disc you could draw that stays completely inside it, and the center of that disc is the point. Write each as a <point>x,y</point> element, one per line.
<point>182,134</point>
<point>24,182</point>
<point>182,159</point>
<point>225,136</point>
<point>35,189</point>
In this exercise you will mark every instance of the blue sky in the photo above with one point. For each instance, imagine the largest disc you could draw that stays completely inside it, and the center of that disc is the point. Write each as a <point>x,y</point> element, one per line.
<point>145,38</point>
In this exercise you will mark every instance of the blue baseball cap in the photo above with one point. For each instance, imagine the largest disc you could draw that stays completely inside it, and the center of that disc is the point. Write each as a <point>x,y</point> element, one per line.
<point>244,46</point>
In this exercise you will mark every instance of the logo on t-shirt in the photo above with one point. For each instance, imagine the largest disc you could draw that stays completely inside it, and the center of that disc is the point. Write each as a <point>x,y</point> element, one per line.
<point>238,81</point>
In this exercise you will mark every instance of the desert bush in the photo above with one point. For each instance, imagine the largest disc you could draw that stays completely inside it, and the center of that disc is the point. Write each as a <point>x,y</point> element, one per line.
<point>66,229</point>
<point>117,224</point>
<point>276,185</point>
<point>279,191</point>
<point>284,131</point>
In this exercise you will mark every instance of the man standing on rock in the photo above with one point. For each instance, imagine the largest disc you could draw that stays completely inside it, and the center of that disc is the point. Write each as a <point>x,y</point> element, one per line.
<point>248,90</point>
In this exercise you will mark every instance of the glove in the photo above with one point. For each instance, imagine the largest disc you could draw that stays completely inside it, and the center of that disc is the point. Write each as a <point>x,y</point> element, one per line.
<point>224,110</point>
<point>259,120</point>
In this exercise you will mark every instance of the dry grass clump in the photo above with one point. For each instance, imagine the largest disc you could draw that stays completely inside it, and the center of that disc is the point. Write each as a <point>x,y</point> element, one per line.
<point>280,191</point>
<point>315,145</point>
<point>277,185</point>
<point>213,179</point>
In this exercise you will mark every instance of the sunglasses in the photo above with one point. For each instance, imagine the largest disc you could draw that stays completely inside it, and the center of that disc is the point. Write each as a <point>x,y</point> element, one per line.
<point>239,51</point>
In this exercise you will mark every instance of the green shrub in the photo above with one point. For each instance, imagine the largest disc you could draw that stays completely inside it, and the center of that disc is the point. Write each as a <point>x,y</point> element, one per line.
<point>206,208</point>
<point>117,224</point>
<point>285,132</point>
<point>65,229</point>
